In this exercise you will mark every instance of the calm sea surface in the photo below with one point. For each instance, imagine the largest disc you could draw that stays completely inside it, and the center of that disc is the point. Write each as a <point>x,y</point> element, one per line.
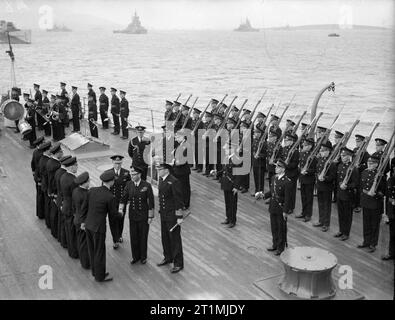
<point>159,65</point>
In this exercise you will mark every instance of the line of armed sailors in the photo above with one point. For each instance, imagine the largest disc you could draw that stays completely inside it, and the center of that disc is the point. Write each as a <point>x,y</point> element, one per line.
<point>282,156</point>
<point>76,214</point>
<point>52,114</point>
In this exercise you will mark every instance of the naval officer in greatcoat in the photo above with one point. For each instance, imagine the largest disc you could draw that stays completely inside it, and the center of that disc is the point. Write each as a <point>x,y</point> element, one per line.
<point>124,114</point>
<point>136,150</point>
<point>101,202</point>
<point>170,210</point>
<point>138,193</point>
<point>121,177</point>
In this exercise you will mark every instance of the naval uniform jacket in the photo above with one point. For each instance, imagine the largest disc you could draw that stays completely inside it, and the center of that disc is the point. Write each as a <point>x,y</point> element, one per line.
<point>75,103</point>
<point>140,198</point>
<point>67,185</point>
<point>228,180</point>
<point>170,198</point>
<point>269,151</point>
<point>38,98</point>
<point>348,193</point>
<point>92,110</point>
<point>124,109</point>
<point>103,102</point>
<point>115,108</point>
<point>58,191</point>
<point>309,177</point>
<point>391,195</point>
<point>181,169</point>
<point>259,162</point>
<point>92,93</point>
<point>42,173</point>
<point>291,170</point>
<point>329,179</point>
<point>101,202</point>
<point>363,161</point>
<point>136,151</point>
<point>280,195</point>
<point>52,165</point>
<point>35,163</point>
<point>120,182</point>
<point>80,205</point>
<point>367,201</point>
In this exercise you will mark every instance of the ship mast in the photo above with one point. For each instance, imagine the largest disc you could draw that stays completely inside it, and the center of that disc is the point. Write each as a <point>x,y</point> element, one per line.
<point>12,57</point>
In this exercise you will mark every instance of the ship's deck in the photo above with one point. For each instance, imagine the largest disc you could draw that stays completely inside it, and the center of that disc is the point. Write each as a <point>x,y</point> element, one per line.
<point>220,263</point>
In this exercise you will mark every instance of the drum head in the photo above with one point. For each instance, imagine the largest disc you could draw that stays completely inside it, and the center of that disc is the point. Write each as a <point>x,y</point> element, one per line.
<point>12,110</point>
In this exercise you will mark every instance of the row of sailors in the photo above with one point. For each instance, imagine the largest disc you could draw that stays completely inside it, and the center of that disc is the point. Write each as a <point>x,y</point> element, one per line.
<point>76,214</point>
<point>62,107</point>
<point>349,198</point>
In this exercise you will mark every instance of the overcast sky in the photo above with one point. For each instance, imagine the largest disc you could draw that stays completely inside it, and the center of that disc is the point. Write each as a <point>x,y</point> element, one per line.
<point>201,14</point>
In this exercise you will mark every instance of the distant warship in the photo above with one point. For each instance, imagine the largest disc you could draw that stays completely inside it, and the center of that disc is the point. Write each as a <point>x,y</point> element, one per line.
<point>134,27</point>
<point>333,35</point>
<point>57,28</point>
<point>17,36</point>
<point>246,27</point>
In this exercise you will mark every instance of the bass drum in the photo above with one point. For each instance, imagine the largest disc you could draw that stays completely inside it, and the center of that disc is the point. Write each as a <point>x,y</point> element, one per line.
<point>12,110</point>
<point>24,128</point>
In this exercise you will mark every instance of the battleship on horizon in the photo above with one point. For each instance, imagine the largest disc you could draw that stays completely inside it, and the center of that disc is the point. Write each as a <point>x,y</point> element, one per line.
<point>134,27</point>
<point>246,27</point>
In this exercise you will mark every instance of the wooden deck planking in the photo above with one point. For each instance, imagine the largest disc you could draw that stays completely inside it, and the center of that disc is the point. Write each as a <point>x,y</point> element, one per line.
<point>219,262</point>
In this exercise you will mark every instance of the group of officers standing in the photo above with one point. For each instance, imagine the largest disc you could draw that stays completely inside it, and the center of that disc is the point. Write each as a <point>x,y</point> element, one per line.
<point>77,216</point>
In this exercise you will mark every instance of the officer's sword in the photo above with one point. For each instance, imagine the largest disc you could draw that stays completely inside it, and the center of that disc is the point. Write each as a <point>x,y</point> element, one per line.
<point>177,224</point>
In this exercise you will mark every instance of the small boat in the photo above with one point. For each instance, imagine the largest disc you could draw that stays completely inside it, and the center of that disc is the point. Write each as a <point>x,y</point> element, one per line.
<point>57,28</point>
<point>17,36</point>
<point>333,35</point>
<point>134,27</point>
<point>246,27</point>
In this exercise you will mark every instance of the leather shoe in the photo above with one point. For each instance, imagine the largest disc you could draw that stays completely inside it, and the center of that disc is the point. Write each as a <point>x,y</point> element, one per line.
<point>115,246</point>
<point>120,240</point>
<point>299,216</point>
<point>307,219</point>
<point>317,224</point>
<point>360,246</point>
<point>372,249</point>
<point>144,261</point>
<point>176,269</point>
<point>163,263</point>
<point>324,229</point>
<point>134,261</point>
<point>231,225</point>
<point>337,235</point>
<point>225,222</point>
<point>106,278</point>
<point>344,238</point>
<point>387,257</point>
<point>271,249</point>
<point>277,253</point>
<point>124,138</point>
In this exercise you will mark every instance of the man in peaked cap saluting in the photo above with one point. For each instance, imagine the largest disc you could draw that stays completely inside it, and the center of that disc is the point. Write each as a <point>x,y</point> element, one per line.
<point>101,202</point>
<point>121,177</point>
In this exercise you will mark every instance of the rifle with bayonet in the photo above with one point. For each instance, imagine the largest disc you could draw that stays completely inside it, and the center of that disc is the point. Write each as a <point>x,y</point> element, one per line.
<point>180,112</point>
<point>278,142</point>
<point>295,129</point>
<point>200,119</point>
<point>212,119</point>
<point>189,114</point>
<point>170,113</point>
<point>264,135</point>
<point>227,114</point>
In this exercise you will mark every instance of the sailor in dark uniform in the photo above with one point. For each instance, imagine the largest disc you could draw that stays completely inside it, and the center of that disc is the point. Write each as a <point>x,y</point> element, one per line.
<point>321,132</point>
<point>45,110</point>
<point>124,114</point>
<point>259,163</point>
<point>38,102</point>
<point>307,180</point>
<point>53,165</point>
<point>115,110</point>
<point>230,184</point>
<point>244,128</point>
<point>37,153</point>
<point>274,125</point>
<point>101,202</point>
<point>75,105</point>
<point>181,168</point>
<point>31,119</point>
<point>170,210</point>
<point>303,126</point>
<point>184,113</point>
<point>64,96</point>
<point>390,195</point>
<point>289,126</point>
<point>362,166</point>
<point>91,92</point>
<point>169,110</point>
<point>140,197</point>
<point>136,150</point>
<point>15,93</point>
<point>59,200</point>
<point>372,204</point>
<point>279,195</point>
<point>92,116</point>
<point>273,136</point>
<point>207,156</point>
<point>380,145</point>
<point>345,194</point>
<point>338,137</point>
<point>260,118</point>
<point>103,107</point>
<point>198,155</point>
<point>121,178</point>
<point>218,119</point>
<point>176,110</point>
<point>42,179</point>
<point>324,187</point>
<point>67,185</point>
<point>80,210</point>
